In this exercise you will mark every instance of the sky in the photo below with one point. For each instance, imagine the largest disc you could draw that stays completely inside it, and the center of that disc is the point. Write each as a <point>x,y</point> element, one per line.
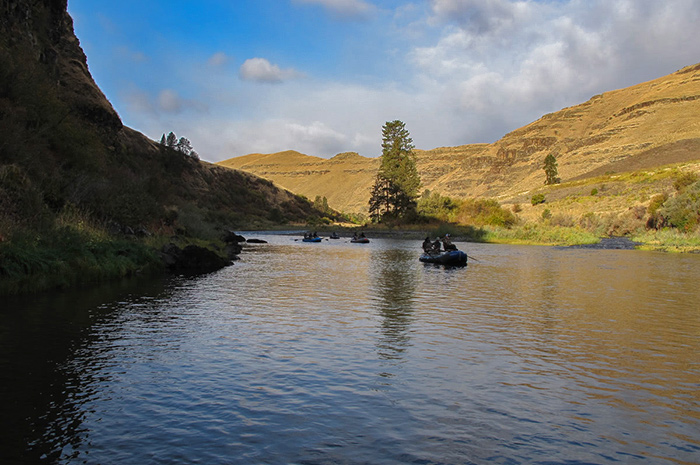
<point>323,76</point>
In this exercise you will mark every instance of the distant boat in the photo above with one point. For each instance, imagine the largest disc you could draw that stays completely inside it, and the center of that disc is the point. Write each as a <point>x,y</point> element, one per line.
<point>450,257</point>
<point>334,236</point>
<point>360,240</point>
<point>312,239</point>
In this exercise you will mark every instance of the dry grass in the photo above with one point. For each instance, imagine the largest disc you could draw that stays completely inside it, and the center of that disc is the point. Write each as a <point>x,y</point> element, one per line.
<point>634,129</point>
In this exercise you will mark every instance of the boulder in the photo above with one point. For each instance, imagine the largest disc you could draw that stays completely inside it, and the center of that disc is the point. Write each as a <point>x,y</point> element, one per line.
<point>232,237</point>
<point>192,258</point>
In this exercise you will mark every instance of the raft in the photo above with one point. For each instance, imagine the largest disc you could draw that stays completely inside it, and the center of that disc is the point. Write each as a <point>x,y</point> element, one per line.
<point>312,239</point>
<point>360,240</point>
<point>451,257</point>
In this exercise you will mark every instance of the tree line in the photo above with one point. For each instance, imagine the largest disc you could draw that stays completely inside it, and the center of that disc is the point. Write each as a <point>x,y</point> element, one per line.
<point>182,145</point>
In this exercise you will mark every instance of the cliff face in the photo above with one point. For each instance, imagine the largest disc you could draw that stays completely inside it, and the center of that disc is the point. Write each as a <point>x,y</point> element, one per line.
<point>41,32</point>
<point>63,147</point>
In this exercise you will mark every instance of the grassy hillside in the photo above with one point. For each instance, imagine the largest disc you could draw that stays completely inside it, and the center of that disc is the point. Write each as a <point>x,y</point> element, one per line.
<point>344,180</point>
<point>73,178</point>
<point>645,126</point>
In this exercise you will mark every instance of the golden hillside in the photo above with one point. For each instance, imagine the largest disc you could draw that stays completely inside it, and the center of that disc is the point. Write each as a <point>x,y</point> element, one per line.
<point>344,180</point>
<point>639,127</point>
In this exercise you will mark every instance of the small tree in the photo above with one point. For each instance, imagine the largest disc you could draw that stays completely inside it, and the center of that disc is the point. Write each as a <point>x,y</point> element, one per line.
<point>550,170</point>
<point>171,140</point>
<point>537,199</point>
<point>183,145</point>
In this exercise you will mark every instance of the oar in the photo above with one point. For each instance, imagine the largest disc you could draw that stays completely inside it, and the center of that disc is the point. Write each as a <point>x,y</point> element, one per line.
<point>472,258</point>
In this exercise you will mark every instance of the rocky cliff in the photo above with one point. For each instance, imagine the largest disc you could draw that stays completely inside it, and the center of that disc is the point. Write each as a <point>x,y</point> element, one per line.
<point>40,33</point>
<point>63,146</point>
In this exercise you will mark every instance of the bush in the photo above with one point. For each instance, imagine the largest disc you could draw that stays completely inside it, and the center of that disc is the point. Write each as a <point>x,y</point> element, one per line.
<point>684,180</point>
<point>683,210</point>
<point>485,212</point>
<point>434,205</point>
<point>537,199</point>
<point>626,223</point>
<point>656,202</point>
<point>562,219</point>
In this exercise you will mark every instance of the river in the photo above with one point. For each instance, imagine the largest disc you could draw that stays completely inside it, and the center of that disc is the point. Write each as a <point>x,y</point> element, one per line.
<point>341,353</point>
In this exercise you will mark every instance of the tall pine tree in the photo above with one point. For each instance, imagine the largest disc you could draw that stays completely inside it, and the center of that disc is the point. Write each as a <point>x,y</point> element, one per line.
<point>396,187</point>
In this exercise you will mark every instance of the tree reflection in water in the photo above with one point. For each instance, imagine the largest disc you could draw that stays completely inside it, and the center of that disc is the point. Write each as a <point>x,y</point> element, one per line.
<point>394,287</point>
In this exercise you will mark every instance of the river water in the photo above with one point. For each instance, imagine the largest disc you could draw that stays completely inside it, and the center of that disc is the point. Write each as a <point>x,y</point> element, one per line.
<point>341,353</point>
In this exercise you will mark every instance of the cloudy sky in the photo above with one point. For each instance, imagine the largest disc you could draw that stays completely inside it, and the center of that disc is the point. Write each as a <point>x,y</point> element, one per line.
<point>323,76</point>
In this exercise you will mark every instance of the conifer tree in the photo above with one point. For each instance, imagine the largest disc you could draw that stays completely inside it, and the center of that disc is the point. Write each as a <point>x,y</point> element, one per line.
<point>397,183</point>
<point>550,170</point>
<point>171,140</point>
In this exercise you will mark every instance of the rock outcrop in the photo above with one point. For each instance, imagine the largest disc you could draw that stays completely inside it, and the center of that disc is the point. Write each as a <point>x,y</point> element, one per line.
<point>192,259</point>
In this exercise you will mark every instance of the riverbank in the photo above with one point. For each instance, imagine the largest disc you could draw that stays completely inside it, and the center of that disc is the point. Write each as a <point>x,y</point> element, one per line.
<point>69,258</point>
<point>667,240</point>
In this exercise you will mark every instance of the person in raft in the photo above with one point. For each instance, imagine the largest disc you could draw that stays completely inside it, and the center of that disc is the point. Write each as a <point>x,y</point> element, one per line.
<point>427,245</point>
<point>447,243</point>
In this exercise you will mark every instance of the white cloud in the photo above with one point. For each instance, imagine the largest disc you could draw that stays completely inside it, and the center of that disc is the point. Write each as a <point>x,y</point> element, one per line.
<point>476,71</point>
<point>131,55</point>
<point>218,59</point>
<point>166,102</point>
<point>509,62</point>
<point>169,101</point>
<point>261,70</point>
<point>343,9</point>
<point>482,16</point>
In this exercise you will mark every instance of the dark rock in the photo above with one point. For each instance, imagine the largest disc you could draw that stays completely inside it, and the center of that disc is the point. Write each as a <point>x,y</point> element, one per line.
<point>232,251</point>
<point>192,258</point>
<point>231,237</point>
<point>256,241</point>
<point>610,243</point>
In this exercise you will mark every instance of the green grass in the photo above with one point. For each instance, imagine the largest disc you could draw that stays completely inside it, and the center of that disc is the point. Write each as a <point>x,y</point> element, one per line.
<point>669,240</point>
<point>67,258</point>
<point>539,234</point>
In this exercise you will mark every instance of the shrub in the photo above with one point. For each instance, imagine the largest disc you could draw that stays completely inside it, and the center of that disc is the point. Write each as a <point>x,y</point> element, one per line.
<point>561,219</point>
<point>683,210</point>
<point>656,202</point>
<point>594,191</point>
<point>628,222</point>
<point>684,180</point>
<point>546,214</point>
<point>537,199</point>
<point>485,212</point>
<point>436,206</point>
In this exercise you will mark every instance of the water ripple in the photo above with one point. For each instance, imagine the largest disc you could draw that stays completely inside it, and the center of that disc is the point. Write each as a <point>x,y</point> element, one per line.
<point>345,353</point>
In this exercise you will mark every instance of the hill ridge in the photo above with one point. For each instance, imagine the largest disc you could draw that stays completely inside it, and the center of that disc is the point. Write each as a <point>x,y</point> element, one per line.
<point>605,133</point>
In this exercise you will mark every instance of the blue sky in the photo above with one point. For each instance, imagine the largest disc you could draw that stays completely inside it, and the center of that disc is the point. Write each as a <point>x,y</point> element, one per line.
<point>323,76</point>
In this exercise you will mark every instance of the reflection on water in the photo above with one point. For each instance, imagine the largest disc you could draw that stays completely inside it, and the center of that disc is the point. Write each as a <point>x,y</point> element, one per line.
<point>393,287</point>
<point>351,353</point>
